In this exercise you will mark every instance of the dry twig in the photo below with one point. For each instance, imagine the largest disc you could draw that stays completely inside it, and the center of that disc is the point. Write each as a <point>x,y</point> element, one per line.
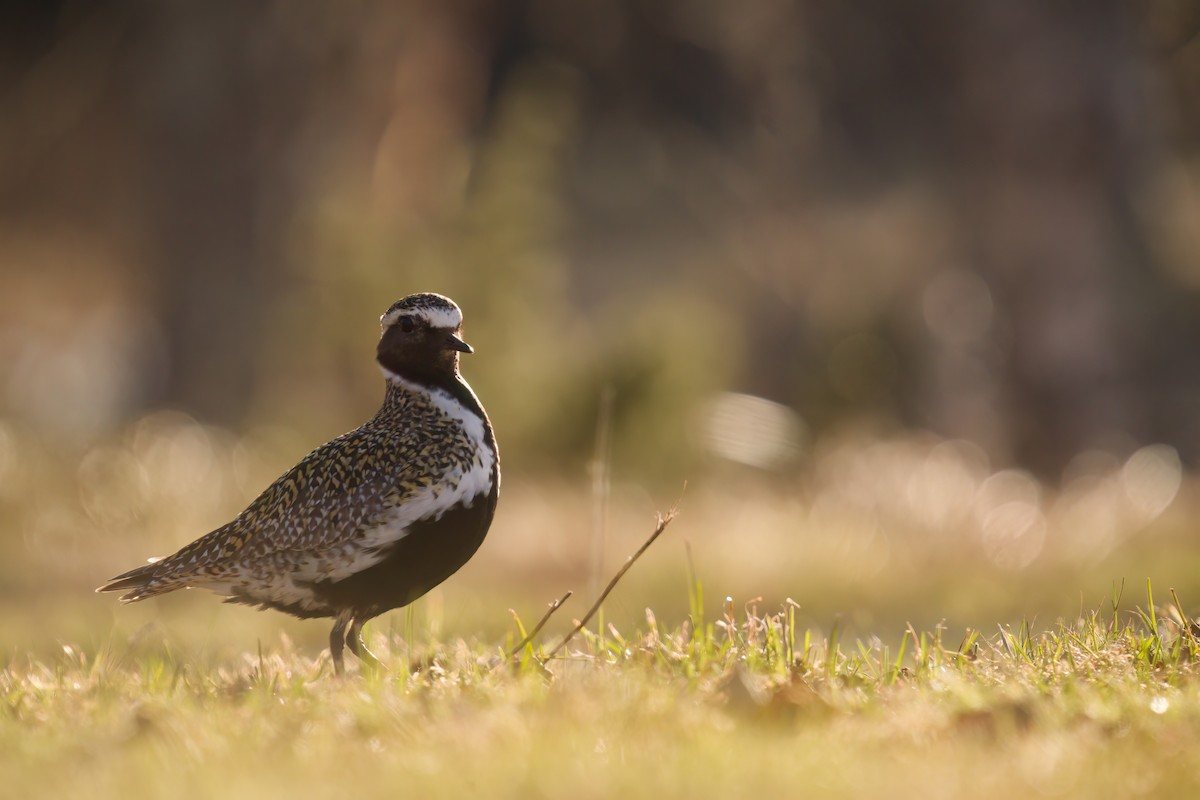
<point>663,521</point>
<point>555,606</point>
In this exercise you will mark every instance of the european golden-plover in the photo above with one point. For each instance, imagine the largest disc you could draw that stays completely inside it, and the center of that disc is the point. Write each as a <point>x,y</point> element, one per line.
<point>371,520</point>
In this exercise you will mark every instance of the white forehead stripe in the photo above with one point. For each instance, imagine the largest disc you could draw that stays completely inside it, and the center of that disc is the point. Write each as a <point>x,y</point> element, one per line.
<point>436,317</point>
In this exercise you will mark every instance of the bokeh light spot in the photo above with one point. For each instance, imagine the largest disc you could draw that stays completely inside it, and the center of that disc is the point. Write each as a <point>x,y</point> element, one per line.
<point>752,430</point>
<point>1013,534</point>
<point>1151,479</point>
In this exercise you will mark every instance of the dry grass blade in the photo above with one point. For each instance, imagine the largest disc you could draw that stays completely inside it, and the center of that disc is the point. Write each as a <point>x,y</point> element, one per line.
<point>663,521</point>
<point>555,606</point>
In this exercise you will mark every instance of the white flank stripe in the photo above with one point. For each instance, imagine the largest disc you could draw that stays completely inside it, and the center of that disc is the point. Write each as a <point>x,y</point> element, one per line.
<point>470,485</point>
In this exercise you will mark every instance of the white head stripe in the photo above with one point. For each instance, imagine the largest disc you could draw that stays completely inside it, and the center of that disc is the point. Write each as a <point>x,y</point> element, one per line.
<point>436,317</point>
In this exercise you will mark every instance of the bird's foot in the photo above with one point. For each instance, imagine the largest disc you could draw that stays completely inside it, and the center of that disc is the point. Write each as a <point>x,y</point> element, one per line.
<point>337,641</point>
<point>370,661</point>
<point>358,646</point>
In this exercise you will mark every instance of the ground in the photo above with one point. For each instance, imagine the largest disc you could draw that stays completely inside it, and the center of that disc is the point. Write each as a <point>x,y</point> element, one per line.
<point>893,622</point>
<point>752,708</point>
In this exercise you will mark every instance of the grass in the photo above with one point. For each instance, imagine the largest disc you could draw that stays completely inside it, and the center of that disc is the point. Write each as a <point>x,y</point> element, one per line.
<point>927,627</point>
<point>743,704</point>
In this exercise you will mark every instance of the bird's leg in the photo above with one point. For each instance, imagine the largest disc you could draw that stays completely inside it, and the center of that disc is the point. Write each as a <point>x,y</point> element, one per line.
<point>357,646</point>
<point>337,640</point>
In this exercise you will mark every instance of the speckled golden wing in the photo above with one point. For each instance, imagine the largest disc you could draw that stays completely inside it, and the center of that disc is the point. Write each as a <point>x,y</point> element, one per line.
<point>333,496</point>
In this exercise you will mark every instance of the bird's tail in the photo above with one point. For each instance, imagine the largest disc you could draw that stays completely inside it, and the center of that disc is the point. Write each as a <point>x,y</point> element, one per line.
<point>144,581</point>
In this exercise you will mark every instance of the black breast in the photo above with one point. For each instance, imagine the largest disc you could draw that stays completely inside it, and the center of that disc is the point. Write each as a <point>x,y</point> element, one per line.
<point>431,551</point>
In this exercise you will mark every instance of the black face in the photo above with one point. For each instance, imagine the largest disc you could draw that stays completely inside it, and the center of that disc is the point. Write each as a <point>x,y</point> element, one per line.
<point>413,349</point>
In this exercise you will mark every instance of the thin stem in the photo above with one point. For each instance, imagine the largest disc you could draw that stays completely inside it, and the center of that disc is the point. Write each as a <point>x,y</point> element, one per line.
<point>555,606</point>
<point>663,521</point>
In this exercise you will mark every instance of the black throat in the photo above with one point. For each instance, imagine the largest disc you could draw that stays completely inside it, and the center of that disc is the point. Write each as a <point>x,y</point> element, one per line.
<point>428,363</point>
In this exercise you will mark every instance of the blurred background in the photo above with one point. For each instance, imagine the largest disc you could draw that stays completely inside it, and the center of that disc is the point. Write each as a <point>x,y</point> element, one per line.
<point>908,294</point>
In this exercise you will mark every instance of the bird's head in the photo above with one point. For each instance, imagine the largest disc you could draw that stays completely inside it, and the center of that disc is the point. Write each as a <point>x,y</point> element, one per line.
<point>421,339</point>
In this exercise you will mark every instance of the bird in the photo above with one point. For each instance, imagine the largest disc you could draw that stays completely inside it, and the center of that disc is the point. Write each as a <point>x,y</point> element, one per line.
<point>371,520</point>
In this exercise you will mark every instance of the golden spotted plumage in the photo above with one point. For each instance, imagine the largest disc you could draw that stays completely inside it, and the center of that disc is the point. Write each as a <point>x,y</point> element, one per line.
<point>321,508</point>
<point>373,519</point>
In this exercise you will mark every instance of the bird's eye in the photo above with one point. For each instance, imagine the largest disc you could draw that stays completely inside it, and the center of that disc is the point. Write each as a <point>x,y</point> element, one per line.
<point>406,324</point>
